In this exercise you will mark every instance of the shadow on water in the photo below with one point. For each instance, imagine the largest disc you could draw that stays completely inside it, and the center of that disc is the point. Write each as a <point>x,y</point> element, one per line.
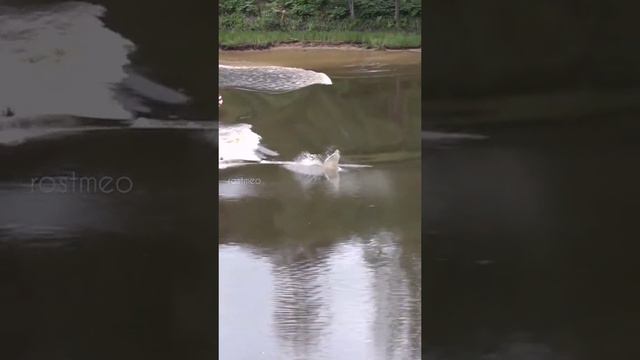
<point>530,242</point>
<point>104,275</point>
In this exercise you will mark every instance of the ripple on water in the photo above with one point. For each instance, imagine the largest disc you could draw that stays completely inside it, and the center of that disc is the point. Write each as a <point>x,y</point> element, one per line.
<point>350,300</point>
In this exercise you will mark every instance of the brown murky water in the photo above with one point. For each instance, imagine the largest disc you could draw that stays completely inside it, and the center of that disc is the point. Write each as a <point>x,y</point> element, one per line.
<point>319,269</point>
<point>321,58</point>
<point>91,274</point>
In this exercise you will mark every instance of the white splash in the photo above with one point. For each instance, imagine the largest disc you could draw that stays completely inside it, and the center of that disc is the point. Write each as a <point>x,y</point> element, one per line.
<point>273,79</point>
<point>239,145</point>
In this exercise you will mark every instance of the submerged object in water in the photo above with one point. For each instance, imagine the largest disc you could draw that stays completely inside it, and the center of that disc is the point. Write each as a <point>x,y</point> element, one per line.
<point>330,164</point>
<point>272,79</point>
<point>311,165</point>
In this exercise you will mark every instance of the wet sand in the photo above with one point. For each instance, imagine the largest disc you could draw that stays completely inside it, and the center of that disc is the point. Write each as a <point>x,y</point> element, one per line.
<point>320,57</point>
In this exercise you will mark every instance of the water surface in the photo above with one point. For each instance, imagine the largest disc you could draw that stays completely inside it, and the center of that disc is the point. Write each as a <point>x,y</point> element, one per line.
<point>531,242</point>
<point>90,274</point>
<point>324,268</point>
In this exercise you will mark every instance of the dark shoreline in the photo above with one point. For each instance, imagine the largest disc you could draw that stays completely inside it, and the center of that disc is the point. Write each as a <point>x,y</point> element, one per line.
<point>300,44</point>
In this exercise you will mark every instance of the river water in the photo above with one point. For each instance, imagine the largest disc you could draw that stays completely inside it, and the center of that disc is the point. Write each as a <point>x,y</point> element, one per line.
<point>319,268</point>
<point>531,241</point>
<point>107,191</point>
<point>530,230</point>
<point>127,270</point>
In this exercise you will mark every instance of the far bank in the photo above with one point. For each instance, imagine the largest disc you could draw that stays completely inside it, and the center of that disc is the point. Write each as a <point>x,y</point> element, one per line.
<point>252,40</point>
<point>321,57</point>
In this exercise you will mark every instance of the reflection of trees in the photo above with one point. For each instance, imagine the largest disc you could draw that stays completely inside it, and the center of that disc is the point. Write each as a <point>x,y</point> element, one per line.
<point>287,213</point>
<point>396,294</point>
<point>398,109</point>
<point>356,115</point>
<point>300,229</point>
<point>303,305</point>
<point>301,309</point>
<point>307,222</point>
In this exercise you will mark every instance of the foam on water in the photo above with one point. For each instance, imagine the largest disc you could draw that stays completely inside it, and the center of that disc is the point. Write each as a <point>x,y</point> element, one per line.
<point>273,79</point>
<point>306,164</point>
<point>238,144</point>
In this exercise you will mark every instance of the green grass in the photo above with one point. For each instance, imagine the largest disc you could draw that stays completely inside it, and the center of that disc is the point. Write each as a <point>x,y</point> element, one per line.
<point>261,40</point>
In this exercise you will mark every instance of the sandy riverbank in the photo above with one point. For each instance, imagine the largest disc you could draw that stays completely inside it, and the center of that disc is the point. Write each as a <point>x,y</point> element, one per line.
<point>313,45</point>
<point>320,57</point>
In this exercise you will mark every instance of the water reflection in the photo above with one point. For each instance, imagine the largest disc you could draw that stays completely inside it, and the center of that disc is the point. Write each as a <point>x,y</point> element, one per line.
<point>343,271</point>
<point>337,254</point>
<point>237,143</point>
<point>358,115</point>
<point>542,268</point>
<point>91,274</point>
<point>397,328</point>
<point>353,299</point>
<point>301,310</point>
<point>245,280</point>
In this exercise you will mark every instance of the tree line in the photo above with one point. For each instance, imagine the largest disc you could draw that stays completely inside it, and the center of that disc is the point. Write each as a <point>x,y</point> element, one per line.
<point>322,15</point>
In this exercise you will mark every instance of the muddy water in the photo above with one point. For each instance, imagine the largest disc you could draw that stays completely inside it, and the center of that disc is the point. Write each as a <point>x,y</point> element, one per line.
<point>106,92</point>
<point>315,267</point>
<point>530,242</point>
<point>319,59</point>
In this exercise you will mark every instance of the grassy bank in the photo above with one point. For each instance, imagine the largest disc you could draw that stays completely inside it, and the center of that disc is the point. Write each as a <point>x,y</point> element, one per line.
<point>238,40</point>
